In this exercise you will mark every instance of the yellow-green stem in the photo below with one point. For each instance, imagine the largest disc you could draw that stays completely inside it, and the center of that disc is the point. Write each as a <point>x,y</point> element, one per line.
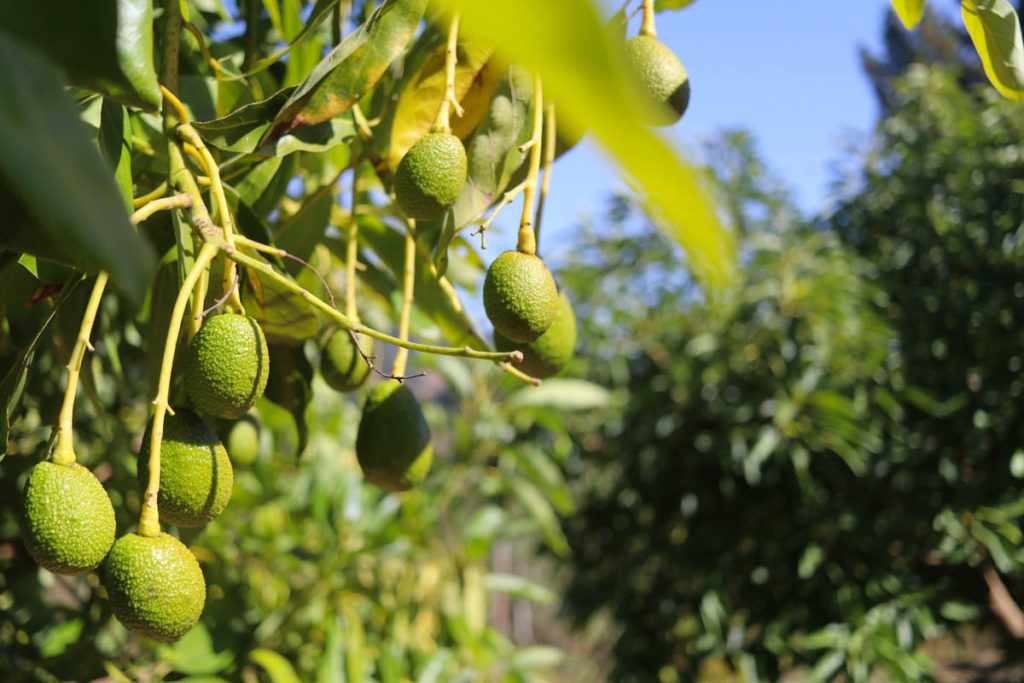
<point>159,191</point>
<point>647,25</point>
<point>527,238</point>
<point>149,521</point>
<point>442,123</point>
<point>549,159</point>
<point>352,249</point>
<point>408,283</point>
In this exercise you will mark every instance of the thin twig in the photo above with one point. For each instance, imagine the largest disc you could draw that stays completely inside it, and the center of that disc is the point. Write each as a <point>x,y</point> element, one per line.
<point>220,302</point>
<point>506,199</point>
<point>369,362</point>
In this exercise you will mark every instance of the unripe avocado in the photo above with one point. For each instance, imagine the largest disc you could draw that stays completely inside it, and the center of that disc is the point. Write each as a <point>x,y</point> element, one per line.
<point>520,296</point>
<point>546,355</point>
<point>68,522</point>
<point>195,473</point>
<point>661,75</point>
<point>340,363</point>
<point>430,176</point>
<point>393,443</point>
<point>226,366</point>
<point>156,588</point>
<point>244,441</point>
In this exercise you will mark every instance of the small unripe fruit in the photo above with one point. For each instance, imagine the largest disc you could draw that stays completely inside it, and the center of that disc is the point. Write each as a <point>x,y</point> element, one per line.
<point>341,365</point>
<point>662,76</point>
<point>226,366</point>
<point>430,176</point>
<point>156,588</point>
<point>520,296</point>
<point>549,353</point>
<point>68,522</point>
<point>244,441</point>
<point>393,443</point>
<point>196,477</point>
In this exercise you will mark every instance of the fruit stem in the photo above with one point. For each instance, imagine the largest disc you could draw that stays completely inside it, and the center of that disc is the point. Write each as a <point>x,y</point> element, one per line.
<point>647,25</point>
<point>527,238</point>
<point>352,248</point>
<point>159,191</point>
<point>177,201</point>
<point>189,134</point>
<point>149,521</point>
<point>408,283</point>
<point>442,124</point>
<point>208,232</point>
<point>506,199</point>
<point>549,159</point>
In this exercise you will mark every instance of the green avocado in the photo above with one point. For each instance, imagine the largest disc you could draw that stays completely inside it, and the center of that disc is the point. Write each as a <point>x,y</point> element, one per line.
<point>155,585</point>
<point>520,296</point>
<point>226,366</point>
<point>340,363</point>
<point>546,355</point>
<point>67,523</point>
<point>393,443</point>
<point>662,76</point>
<point>195,473</point>
<point>430,176</point>
<point>243,441</point>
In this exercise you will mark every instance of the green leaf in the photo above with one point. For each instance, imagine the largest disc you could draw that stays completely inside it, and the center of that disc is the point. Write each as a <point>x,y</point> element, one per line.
<point>537,657</point>
<point>518,587</point>
<point>302,57</point>
<point>352,68</point>
<point>660,5</point>
<point>995,32</point>
<point>566,44</point>
<point>567,394</point>
<point>286,318</point>
<point>106,46</point>
<point>909,12</point>
<point>302,231</point>
<point>289,386</point>
<point>278,669</point>
<point>481,529</point>
<point>194,654</point>
<point>115,143</point>
<point>48,158</point>
<point>959,611</point>
<point>242,129</point>
<point>331,668</point>
<point>321,10</point>
<point>55,640</point>
<point>542,513</point>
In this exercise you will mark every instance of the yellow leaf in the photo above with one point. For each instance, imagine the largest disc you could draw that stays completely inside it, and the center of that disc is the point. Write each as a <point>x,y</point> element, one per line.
<point>909,12</point>
<point>995,32</point>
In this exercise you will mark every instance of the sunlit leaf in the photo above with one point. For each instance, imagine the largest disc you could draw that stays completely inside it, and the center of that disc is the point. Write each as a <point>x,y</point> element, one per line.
<point>278,669</point>
<point>995,32</point>
<point>671,4</point>
<point>567,394</point>
<point>909,12</point>
<point>519,587</point>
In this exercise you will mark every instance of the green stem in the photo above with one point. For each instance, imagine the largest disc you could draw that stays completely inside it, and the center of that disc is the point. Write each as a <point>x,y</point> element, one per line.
<point>549,159</point>
<point>647,26</point>
<point>527,238</point>
<point>352,248</point>
<point>172,46</point>
<point>408,283</point>
<point>442,122</point>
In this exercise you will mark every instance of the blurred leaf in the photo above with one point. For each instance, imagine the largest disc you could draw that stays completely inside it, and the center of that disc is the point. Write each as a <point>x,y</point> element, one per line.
<point>660,5</point>
<point>355,644</point>
<point>537,657</point>
<point>959,611</point>
<point>567,394</point>
<point>115,144</point>
<point>286,318</point>
<point>518,587</point>
<point>46,153</point>
<point>995,32</point>
<point>194,653</point>
<point>56,640</point>
<point>829,663</point>
<point>432,670</point>
<point>542,513</point>
<point>331,668</point>
<point>565,43</point>
<point>909,12</point>
<point>810,561</point>
<point>106,46</point>
<point>278,669</point>
<point>289,386</point>
<point>480,531</point>
<point>304,230</point>
<point>350,69</point>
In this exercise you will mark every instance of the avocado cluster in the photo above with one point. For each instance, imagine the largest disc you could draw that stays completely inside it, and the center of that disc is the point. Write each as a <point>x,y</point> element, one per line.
<point>548,354</point>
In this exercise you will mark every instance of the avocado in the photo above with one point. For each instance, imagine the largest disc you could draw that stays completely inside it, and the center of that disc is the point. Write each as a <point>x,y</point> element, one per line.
<point>549,353</point>
<point>520,296</point>
<point>226,366</point>
<point>341,365</point>
<point>430,176</point>
<point>661,75</point>
<point>393,443</point>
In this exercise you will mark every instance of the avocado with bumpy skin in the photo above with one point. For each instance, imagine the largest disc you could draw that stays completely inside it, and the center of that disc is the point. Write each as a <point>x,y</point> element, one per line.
<point>226,366</point>
<point>549,353</point>
<point>196,477</point>
<point>520,296</point>
<point>341,364</point>
<point>430,176</point>
<point>155,585</point>
<point>393,443</point>
<point>662,76</point>
<point>68,522</point>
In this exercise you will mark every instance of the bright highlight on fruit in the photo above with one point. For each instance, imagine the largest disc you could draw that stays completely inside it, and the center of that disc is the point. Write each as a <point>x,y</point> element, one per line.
<point>67,522</point>
<point>520,296</point>
<point>156,588</point>
<point>226,366</point>
<point>662,76</point>
<point>549,353</point>
<point>430,176</point>
<point>393,444</point>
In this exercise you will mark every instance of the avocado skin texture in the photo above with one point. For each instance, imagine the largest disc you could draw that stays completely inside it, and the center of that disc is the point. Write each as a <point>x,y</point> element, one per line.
<point>156,588</point>
<point>549,353</point>
<point>430,176</point>
<point>226,366</point>
<point>195,473</point>
<point>67,523</point>
<point>661,75</point>
<point>340,363</point>
<point>520,296</point>
<point>243,441</point>
<point>393,443</point>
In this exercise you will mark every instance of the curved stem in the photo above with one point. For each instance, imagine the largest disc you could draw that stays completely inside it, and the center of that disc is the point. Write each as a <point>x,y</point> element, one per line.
<point>549,159</point>
<point>159,191</point>
<point>408,284</point>
<point>647,26</point>
<point>178,201</point>
<point>149,521</point>
<point>442,123</point>
<point>527,238</point>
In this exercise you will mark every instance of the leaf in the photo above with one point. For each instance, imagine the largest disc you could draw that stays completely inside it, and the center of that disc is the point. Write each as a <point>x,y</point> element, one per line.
<point>278,669</point>
<point>542,513</point>
<point>567,394</point>
<point>537,657</point>
<point>106,46</point>
<point>115,143</point>
<point>13,383</point>
<point>909,12</point>
<point>352,68</point>
<point>481,529</point>
<point>518,587</point>
<point>286,318</point>
<point>419,101</point>
<point>46,154</point>
<point>332,662</point>
<point>301,57</point>
<point>289,386</point>
<point>194,654</point>
<point>302,231</point>
<point>995,32</point>
<point>566,44</point>
<point>242,129</point>
<point>321,10</point>
<point>55,640</point>
<point>660,5</point>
